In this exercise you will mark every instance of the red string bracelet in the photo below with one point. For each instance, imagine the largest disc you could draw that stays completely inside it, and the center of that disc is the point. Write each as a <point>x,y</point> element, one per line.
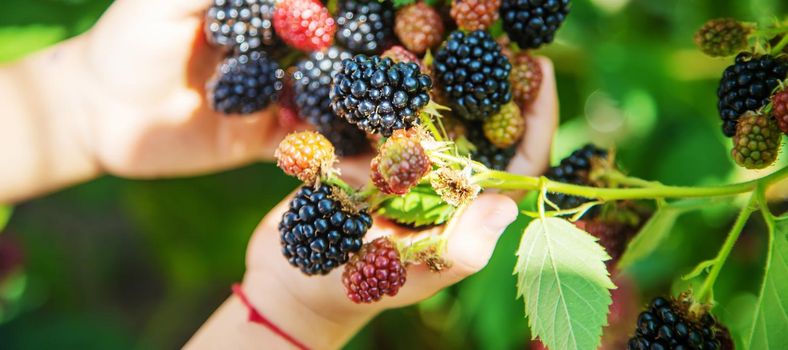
<point>256,317</point>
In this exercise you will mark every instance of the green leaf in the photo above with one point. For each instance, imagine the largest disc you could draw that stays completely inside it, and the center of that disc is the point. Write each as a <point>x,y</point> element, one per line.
<point>5,215</point>
<point>650,237</point>
<point>770,324</point>
<point>562,278</point>
<point>419,207</point>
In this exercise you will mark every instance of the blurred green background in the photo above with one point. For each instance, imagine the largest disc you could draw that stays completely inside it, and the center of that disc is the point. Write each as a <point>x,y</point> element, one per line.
<point>118,264</point>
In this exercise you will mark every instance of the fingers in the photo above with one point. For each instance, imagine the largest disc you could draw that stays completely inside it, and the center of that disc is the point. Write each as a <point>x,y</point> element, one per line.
<point>533,153</point>
<point>471,244</point>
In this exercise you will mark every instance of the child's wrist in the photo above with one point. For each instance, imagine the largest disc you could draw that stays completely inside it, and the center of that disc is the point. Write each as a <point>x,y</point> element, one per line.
<point>304,320</point>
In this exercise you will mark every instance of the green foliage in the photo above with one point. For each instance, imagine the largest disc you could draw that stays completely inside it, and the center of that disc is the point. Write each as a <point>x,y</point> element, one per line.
<point>562,276</point>
<point>656,230</point>
<point>5,215</point>
<point>419,207</point>
<point>770,324</point>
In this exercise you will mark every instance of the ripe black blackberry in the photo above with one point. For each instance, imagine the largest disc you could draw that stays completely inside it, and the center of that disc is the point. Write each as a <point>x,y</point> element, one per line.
<point>378,95</point>
<point>747,85</point>
<point>243,25</point>
<point>487,153</point>
<point>365,26</point>
<point>669,324</point>
<point>531,23</point>
<point>321,229</point>
<point>312,84</point>
<point>245,83</point>
<point>575,169</point>
<point>473,74</point>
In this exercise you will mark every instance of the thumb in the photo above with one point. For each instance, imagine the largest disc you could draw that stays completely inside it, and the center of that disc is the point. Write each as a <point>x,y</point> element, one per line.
<point>473,238</point>
<point>471,244</point>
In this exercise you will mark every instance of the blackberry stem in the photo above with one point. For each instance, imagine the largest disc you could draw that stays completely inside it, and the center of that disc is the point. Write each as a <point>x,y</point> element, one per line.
<point>706,292</point>
<point>506,181</point>
<point>622,179</point>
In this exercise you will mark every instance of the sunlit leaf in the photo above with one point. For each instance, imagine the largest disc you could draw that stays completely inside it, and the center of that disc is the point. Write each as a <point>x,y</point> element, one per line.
<point>562,278</point>
<point>419,207</point>
<point>770,324</point>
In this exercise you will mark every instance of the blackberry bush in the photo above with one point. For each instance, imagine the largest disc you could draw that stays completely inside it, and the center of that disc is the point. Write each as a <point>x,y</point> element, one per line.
<point>747,85</point>
<point>245,83</point>
<point>473,74</point>
<point>321,229</point>
<point>532,23</point>
<point>378,95</point>
<point>365,26</point>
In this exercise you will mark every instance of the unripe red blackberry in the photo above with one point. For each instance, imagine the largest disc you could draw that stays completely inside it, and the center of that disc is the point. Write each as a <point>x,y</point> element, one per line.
<point>475,14</point>
<point>526,79</point>
<point>473,74</point>
<point>243,25</point>
<point>532,23</point>
<point>757,141</point>
<point>378,95</point>
<point>575,169</point>
<point>669,324</point>
<point>419,27</point>
<point>747,85</point>
<point>401,163</point>
<point>306,155</point>
<point>304,24</point>
<point>375,271</point>
<point>365,26</point>
<point>780,110</point>
<point>245,83</point>
<point>505,128</point>
<point>321,228</point>
<point>722,37</point>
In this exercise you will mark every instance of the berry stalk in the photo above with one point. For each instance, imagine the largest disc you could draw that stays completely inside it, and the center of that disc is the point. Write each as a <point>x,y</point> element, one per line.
<point>706,291</point>
<point>506,181</point>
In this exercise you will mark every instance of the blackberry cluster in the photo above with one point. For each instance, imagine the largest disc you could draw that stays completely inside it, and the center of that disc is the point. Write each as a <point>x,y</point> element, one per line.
<point>747,86</point>
<point>487,153</point>
<point>365,26</point>
<point>574,170</point>
<point>245,83</point>
<point>378,95</point>
<point>319,232</point>
<point>667,324</point>
<point>531,23</point>
<point>473,74</point>
<point>243,25</point>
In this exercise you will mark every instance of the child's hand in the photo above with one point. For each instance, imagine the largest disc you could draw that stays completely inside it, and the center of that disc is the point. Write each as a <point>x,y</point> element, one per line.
<point>146,64</point>
<point>315,309</point>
